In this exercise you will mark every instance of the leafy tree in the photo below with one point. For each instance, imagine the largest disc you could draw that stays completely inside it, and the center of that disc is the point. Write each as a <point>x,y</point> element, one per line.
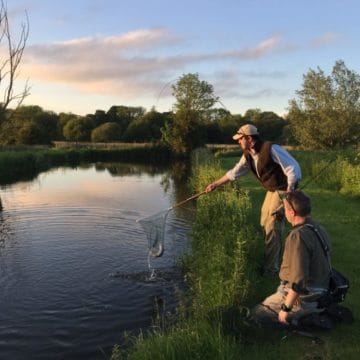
<point>100,117</point>
<point>124,115</point>
<point>327,111</point>
<point>106,132</point>
<point>221,126</point>
<point>270,125</point>
<point>78,129</point>
<point>229,125</point>
<point>30,125</point>
<point>252,114</point>
<point>185,130</point>
<point>146,127</point>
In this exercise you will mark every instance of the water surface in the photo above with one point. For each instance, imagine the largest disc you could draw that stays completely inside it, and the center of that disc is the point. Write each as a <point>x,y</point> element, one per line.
<point>74,269</point>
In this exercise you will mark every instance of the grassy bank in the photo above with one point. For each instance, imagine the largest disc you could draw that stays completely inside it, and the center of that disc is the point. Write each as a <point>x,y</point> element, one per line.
<point>223,270</point>
<point>25,163</point>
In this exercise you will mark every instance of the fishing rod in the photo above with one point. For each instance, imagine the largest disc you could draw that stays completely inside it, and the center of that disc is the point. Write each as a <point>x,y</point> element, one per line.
<point>315,176</point>
<point>193,197</point>
<point>281,195</point>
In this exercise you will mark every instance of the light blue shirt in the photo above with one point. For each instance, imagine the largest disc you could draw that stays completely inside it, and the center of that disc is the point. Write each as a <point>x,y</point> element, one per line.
<point>289,165</point>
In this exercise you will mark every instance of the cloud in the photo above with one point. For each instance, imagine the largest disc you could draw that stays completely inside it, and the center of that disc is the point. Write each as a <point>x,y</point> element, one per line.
<point>264,93</point>
<point>324,40</point>
<point>129,65</point>
<point>260,50</point>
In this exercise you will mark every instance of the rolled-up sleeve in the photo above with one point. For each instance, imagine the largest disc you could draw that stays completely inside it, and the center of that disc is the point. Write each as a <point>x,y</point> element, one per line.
<point>240,169</point>
<point>289,165</point>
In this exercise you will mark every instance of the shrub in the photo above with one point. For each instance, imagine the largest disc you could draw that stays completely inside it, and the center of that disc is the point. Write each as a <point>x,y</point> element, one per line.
<point>107,132</point>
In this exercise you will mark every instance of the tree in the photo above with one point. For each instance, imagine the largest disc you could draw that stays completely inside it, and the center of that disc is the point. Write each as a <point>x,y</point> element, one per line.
<point>270,125</point>
<point>63,119</point>
<point>186,129</point>
<point>221,126</point>
<point>78,129</point>
<point>106,132</point>
<point>99,117</point>
<point>124,115</point>
<point>327,111</point>
<point>9,66</point>
<point>252,114</point>
<point>30,125</point>
<point>146,127</point>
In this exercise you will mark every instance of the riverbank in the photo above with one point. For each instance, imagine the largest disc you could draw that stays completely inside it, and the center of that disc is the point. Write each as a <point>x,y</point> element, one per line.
<point>25,163</point>
<point>223,270</point>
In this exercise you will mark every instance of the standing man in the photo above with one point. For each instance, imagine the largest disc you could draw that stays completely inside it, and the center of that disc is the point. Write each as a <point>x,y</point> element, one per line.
<point>278,172</point>
<point>305,270</point>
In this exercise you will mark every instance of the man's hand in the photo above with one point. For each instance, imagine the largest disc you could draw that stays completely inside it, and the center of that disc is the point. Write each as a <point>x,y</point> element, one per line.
<point>210,187</point>
<point>219,182</point>
<point>282,317</point>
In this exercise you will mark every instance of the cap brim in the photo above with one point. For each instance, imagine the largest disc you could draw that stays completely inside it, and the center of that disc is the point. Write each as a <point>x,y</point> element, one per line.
<point>237,136</point>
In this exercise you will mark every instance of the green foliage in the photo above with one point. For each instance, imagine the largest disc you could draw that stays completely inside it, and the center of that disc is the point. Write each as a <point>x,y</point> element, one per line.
<point>327,111</point>
<point>63,119</point>
<point>185,131</point>
<point>99,118</point>
<point>350,176</point>
<point>29,125</point>
<point>221,126</point>
<point>218,272</point>
<point>106,132</point>
<point>211,328</point>
<point>146,127</point>
<point>195,341</point>
<point>25,163</point>
<point>124,115</point>
<point>338,170</point>
<point>270,125</point>
<point>219,269</point>
<point>78,129</point>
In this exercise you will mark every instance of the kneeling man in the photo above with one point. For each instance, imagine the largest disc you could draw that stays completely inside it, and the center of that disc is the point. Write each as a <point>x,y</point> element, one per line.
<point>304,273</point>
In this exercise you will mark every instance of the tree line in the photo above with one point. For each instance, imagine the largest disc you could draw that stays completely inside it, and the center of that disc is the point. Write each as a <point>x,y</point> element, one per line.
<point>33,125</point>
<point>325,114</point>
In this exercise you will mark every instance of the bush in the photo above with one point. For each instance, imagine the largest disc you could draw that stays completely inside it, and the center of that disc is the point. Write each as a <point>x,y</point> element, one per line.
<point>107,132</point>
<point>349,177</point>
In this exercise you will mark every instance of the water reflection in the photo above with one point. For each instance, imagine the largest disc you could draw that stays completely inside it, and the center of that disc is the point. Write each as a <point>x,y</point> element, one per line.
<point>73,260</point>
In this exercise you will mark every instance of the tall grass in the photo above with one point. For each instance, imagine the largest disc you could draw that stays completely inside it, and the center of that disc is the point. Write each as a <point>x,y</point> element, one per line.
<point>222,241</point>
<point>336,170</point>
<point>219,273</point>
<point>200,340</point>
<point>221,270</point>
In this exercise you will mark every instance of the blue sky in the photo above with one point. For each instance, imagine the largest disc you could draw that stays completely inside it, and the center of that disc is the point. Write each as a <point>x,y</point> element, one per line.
<point>86,55</point>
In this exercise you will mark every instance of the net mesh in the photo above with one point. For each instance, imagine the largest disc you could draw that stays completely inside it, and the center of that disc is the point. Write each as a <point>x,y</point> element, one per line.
<point>154,227</point>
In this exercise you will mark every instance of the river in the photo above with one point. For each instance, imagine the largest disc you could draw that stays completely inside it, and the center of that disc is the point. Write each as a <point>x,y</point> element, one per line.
<point>74,266</point>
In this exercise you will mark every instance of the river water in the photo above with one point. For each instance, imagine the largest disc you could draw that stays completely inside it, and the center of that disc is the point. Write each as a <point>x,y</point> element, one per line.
<point>74,266</point>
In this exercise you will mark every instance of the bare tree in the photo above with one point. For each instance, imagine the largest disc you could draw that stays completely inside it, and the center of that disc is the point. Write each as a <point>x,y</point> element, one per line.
<point>10,61</point>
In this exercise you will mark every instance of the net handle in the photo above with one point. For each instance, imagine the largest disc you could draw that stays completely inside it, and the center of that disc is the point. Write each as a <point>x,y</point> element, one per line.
<point>187,200</point>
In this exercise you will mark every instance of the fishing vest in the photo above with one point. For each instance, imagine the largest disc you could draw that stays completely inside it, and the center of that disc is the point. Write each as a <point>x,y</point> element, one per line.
<point>269,173</point>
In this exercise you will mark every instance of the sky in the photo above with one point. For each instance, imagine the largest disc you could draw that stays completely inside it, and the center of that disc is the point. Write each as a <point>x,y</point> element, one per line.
<point>88,55</point>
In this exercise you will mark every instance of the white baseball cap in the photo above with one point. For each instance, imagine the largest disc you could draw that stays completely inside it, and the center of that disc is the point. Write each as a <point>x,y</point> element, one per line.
<point>246,130</point>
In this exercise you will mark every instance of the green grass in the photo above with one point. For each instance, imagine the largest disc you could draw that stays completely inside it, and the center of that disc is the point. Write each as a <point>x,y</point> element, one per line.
<point>339,212</point>
<point>223,272</point>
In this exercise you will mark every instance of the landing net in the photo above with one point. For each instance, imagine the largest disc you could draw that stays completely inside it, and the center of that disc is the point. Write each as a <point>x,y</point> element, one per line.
<point>154,227</point>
